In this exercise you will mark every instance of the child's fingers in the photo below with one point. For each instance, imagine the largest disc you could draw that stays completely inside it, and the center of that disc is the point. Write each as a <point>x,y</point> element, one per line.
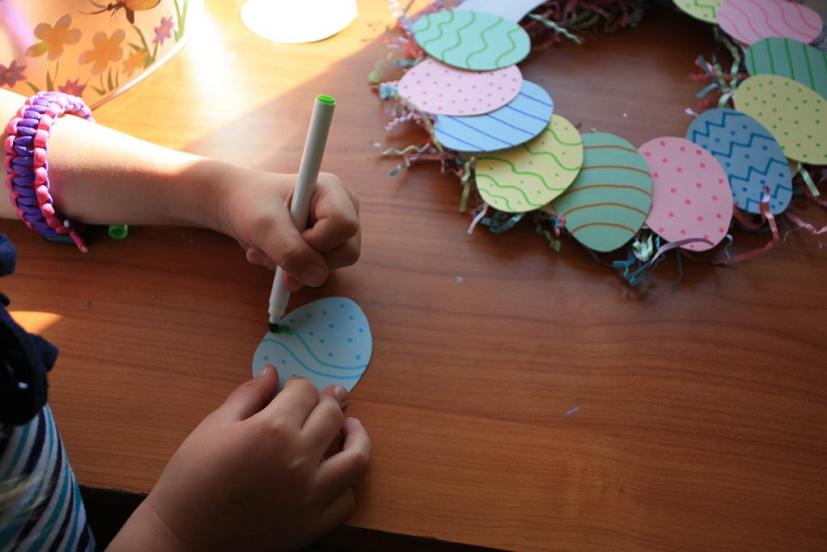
<point>337,511</point>
<point>284,245</point>
<point>257,257</point>
<point>336,214</point>
<point>344,468</point>
<point>331,230</point>
<point>293,404</point>
<point>291,284</point>
<point>346,254</point>
<point>250,397</point>
<point>325,422</point>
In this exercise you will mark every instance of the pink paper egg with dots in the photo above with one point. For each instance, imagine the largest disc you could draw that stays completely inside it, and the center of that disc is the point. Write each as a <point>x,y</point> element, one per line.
<point>440,89</point>
<point>691,197</point>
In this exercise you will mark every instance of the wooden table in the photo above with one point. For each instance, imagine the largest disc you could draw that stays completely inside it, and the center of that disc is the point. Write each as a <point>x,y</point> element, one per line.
<point>702,420</point>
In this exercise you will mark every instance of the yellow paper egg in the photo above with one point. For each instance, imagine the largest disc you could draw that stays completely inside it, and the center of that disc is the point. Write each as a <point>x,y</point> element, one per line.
<point>794,114</point>
<point>528,176</point>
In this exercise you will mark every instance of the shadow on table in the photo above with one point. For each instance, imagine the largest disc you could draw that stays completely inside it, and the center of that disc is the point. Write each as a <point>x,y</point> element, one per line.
<point>107,511</point>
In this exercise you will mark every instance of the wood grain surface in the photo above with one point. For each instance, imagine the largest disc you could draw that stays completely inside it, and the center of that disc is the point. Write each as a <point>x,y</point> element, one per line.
<point>702,419</point>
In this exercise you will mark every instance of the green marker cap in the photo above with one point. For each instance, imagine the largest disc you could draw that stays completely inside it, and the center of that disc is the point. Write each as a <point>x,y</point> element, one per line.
<point>325,99</point>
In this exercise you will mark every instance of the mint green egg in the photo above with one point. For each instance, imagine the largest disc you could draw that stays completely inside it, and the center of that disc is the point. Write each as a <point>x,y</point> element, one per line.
<point>610,199</point>
<point>472,40</point>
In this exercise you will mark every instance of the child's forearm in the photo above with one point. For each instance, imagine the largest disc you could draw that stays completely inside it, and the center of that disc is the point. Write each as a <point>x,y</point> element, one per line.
<point>101,176</point>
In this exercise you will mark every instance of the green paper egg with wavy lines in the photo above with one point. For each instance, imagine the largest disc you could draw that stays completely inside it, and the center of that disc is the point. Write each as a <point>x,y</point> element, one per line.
<point>472,40</point>
<point>610,199</point>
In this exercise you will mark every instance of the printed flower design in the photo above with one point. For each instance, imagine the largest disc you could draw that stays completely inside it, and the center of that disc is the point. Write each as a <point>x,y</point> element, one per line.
<point>53,38</point>
<point>105,50</point>
<point>135,60</point>
<point>11,75</point>
<point>163,31</point>
<point>72,87</point>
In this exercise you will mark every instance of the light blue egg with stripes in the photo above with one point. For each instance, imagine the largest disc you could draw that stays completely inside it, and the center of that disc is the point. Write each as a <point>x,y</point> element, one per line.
<point>517,122</point>
<point>327,341</point>
<point>751,158</point>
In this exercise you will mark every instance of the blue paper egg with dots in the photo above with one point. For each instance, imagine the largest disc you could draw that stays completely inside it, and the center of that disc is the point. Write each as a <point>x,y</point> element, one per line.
<point>751,158</point>
<point>327,341</point>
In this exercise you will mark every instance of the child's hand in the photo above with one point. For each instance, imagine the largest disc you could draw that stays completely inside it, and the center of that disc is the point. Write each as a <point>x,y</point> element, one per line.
<point>255,210</point>
<point>256,474</point>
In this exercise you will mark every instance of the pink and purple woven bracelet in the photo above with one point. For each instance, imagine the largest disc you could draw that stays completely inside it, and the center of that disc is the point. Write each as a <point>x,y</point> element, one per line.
<point>26,166</point>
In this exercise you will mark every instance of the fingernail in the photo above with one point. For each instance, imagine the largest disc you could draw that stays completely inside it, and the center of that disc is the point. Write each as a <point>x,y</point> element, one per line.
<point>355,421</point>
<point>266,371</point>
<point>340,393</point>
<point>313,275</point>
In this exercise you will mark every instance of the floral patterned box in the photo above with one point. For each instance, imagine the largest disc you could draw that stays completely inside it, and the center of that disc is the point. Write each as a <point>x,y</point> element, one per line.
<point>87,48</point>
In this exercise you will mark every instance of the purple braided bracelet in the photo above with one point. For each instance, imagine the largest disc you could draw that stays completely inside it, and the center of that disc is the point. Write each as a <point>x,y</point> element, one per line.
<point>26,166</point>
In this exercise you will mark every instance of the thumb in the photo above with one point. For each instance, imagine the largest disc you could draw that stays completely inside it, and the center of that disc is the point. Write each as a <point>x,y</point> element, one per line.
<point>249,397</point>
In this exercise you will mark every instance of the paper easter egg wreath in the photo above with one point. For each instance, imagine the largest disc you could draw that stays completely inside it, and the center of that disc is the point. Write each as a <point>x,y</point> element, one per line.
<point>748,156</point>
<point>327,341</point>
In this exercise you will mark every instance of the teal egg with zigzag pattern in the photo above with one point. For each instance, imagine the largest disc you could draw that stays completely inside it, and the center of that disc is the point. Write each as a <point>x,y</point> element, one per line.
<point>472,40</point>
<point>610,199</point>
<point>750,156</point>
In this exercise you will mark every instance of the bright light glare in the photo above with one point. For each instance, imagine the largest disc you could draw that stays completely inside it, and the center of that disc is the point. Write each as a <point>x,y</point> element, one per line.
<point>294,21</point>
<point>35,322</point>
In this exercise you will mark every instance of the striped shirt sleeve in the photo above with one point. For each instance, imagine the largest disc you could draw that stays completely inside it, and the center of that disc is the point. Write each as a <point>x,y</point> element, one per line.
<point>40,503</point>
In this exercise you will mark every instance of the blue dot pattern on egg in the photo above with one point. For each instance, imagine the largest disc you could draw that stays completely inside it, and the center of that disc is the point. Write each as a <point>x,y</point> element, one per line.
<point>751,158</point>
<point>338,354</point>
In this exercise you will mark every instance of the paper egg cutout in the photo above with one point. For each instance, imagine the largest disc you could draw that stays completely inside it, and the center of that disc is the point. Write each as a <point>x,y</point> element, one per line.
<point>795,115</point>
<point>513,10</point>
<point>690,193</point>
<point>789,58</point>
<point>440,89</point>
<point>519,121</point>
<point>705,10</point>
<point>748,154</point>
<point>530,175</point>
<point>327,341</point>
<point>472,40</point>
<point>748,21</point>
<point>611,197</point>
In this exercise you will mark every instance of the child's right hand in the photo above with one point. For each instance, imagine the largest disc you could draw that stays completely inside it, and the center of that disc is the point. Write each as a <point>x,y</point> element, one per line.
<point>256,474</point>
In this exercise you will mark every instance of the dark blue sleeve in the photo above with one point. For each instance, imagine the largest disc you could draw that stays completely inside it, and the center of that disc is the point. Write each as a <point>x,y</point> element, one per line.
<point>25,358</point>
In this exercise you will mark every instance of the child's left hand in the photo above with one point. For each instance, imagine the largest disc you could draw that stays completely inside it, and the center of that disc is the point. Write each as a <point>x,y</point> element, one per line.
<point>254,208</point>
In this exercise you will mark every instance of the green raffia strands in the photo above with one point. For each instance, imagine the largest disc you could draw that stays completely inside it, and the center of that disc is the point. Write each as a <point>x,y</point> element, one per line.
<point>808,180</point>
<point>608,202</point>
<point>466,184</point>
<point>556,28</point>
<point>472,40</point>
<point>789,58</point>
